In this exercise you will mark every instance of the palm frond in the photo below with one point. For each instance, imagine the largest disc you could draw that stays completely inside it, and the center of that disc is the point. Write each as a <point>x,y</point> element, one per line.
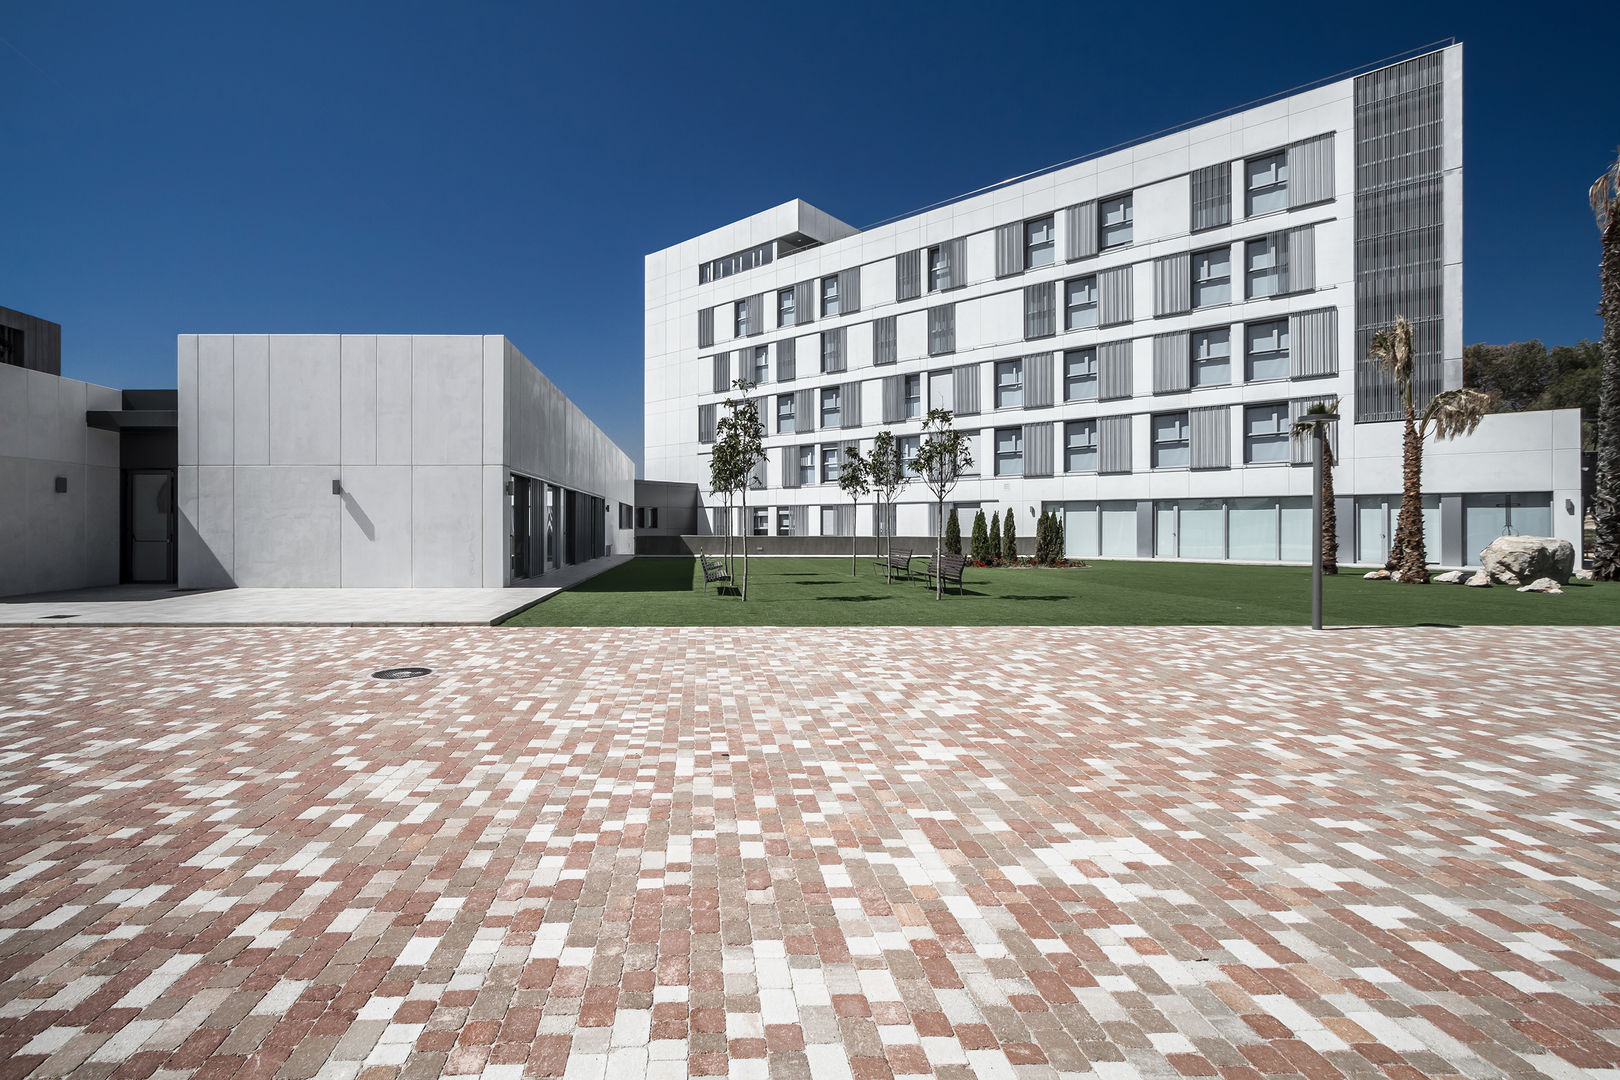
<point>1604,195</point>
<point>1393,351</point>
<point>1301,428</point>
<point>1455,413</point>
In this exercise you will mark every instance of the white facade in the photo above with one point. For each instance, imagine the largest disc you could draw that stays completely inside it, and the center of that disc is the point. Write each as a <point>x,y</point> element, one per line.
<point>367,460</point>
<point>59,484</point>
<point>995,339</point>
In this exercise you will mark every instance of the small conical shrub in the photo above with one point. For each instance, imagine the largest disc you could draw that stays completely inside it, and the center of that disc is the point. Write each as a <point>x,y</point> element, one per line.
<point>953,534</point>
<point>995,537</point>
<point>1009,542</point>
<point>981,539</point>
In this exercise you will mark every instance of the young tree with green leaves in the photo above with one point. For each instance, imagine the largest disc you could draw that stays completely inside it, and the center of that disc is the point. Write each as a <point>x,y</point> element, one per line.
<point>953,534</point>
<point>1303,430</point>
<point>739,449</point>
<point>1605,199</point>
<point>854,480</point>
<point>981,539</point>
<point>995,537</point>
<point>1449,414</point>
<point>887,475</point>
<point>1009,541</point>
<point>940,461</point>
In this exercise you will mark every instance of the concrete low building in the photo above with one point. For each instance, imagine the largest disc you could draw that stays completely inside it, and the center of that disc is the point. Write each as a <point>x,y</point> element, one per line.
<point>375,460</point>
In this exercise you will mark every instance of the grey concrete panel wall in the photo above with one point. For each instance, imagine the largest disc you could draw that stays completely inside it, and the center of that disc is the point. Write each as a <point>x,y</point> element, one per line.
<point>358,423</point>
<point>305,389</point>
<point>207,526</point>
<point>216,400</point>
<point>287,526</point>
<point>376,526</point>
<point>49,539</point>
<point>497,525</point>
<point>186,394</point>
<point>251,414</point>
<point>447,406</point>
<point>447,526</point>
<point>394,419</point>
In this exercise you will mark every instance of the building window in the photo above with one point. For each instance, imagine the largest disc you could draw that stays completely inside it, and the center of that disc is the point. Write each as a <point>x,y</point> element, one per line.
<point>784,522</point>
<point>1038,242</point>
<point>1171,449</point>
<point>762,521</point>
<point>832,407</point>
<point>807,465</point>
<point>829,296</point>
<point>1010,384</point>
<point>941,274</point>
<point>744,321</point>
<point>832,350</point>
<point>1265,270</point>
<point>786,414</point>
<point>908,447</point>
<point>830,460</point>
<point>761,371</point>
<point>1080,446</point>
<point>1080,375</point>
<point>1080,303</point>
<point>941,329</point>
<point>1265,182</point>
<point>912,387</point>
<point>736,264</point>
<point>1212,277</point>
<point>785,313</point>
<point>1265,434</point>
<point>1009,451</point>
<point>12,343</point>
<point>1212,357</point>
<point>1267,350</point>
<point>641,517</point>
<point>1114,222</point>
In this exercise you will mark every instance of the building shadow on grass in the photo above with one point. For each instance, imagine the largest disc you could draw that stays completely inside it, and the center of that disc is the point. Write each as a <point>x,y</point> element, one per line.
<point>852,599</point>
<point>1030,596</point>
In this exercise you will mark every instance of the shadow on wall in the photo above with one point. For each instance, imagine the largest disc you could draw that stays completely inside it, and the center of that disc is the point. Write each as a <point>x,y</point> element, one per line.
<point>199,568</point>
<point>352,505</point>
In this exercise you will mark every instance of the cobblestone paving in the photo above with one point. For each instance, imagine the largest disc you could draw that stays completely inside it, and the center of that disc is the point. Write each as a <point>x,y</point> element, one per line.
<point>809,853</point>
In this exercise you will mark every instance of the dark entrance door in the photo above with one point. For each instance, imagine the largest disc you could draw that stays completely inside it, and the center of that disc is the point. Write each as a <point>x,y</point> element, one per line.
<point>522,542</point>
<point>149,548</point>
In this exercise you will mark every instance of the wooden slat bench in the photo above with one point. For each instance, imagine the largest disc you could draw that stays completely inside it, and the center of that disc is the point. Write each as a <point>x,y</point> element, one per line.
<point>949,568</point>
<point>898,559</point>
<point>713,570</point>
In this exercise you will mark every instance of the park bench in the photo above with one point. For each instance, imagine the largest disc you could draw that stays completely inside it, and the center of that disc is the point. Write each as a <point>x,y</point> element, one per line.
<point>898,559</point>
<point>948,568</point>
<point>713,570</point>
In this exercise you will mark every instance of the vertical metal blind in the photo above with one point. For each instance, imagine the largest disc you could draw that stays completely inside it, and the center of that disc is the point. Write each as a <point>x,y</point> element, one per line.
<point>885,343</point>
<point>1114,370</point>
<point>1210,435</point>
<point>790,466</point>
<point>908,275</point>
<point>1313,343</point>
<point>894,407</point>
<point>798,520</point>
<point>849,291</point>
<point>1171,362</point>
<point>1172,284</point>
<point>786,360</point>
<point>1212,196</point>
<point>1310,171</point>
<point>941,329</point>
<point>1299,254</point>
<point>832,349</point>
<point>1009,249</point>
<point>705,423</point>
<point>1038,380</point>
<point>705,327</point>
<point>1114,444</point>
<point>722,372</point>
<point>1114,296</point>
<point>1040,310</point>
<point>804,410</point>
<point>851,400</point>
<point>965,389</point>
<point>955,252</point>
<point>1080,231</point>
<point>1038,449</point>
<point>756,315</point>
<point>804,303</point>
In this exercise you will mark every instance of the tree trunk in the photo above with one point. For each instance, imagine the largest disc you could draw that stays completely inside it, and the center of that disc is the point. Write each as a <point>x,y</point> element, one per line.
<point>939,548</point>
<point>745,543</point>
<point>854,538</point>
<point>1330,521</point>
<point>888,541</point>
<point>1606,549</point>
<point>1411,561</point>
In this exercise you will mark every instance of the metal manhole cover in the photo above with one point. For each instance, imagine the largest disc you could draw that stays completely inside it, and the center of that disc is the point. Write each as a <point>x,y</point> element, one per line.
<point>402,673</point>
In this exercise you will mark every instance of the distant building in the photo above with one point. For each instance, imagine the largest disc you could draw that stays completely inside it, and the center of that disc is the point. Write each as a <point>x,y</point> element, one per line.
<point>1126,338</point>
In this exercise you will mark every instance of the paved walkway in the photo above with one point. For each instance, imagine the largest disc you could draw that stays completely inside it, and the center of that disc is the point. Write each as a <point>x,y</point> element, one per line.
<point>1001,853</point>
<point>164,605</point>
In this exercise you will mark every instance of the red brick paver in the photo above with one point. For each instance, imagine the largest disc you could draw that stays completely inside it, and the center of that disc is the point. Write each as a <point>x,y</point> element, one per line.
<point>809,853</point>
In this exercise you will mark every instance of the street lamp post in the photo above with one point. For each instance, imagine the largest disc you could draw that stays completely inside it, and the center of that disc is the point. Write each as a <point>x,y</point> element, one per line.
<point>1318,422</point>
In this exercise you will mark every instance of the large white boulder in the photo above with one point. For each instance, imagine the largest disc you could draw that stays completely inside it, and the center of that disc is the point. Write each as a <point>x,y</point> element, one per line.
<point>1513,560</point>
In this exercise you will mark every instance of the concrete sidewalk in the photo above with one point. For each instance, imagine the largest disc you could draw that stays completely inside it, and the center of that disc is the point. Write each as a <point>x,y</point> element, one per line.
<point>165,605</point>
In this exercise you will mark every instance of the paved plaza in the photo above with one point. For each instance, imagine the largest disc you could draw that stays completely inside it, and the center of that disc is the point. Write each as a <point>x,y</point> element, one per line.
<point>996,853</point>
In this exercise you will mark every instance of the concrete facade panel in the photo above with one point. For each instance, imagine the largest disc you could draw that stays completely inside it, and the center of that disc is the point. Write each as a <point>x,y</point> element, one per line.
<point>286,525</point>
<point>376,526</point>
<point>447,405</point>
<point>447,526</point>
<point>305,393</point>
<point>359,390</point>
<point>251,384</point>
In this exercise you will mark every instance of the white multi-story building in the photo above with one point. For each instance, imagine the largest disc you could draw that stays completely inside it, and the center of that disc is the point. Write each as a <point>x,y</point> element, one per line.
<point>1126,338</point>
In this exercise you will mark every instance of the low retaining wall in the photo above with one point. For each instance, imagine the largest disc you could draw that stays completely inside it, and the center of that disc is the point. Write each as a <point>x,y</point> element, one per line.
<point>775,545</point>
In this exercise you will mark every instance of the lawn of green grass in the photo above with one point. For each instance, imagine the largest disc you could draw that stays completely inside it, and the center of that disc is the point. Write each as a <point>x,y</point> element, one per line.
<point>821,592</point>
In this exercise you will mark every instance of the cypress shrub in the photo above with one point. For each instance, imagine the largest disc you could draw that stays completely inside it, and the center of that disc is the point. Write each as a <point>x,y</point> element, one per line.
<point>953,534</point>
<point>995,537</point>
<point>981,539</point>
<point>1009,543</point>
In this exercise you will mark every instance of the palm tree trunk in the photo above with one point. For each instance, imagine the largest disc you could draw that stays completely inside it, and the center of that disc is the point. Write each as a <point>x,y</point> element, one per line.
<point>1606,551</point>
<point>1330,521</point>
<point>1412,560</point>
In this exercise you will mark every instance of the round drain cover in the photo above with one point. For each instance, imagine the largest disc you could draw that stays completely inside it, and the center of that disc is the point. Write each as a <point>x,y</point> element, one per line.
<point>401,673</point>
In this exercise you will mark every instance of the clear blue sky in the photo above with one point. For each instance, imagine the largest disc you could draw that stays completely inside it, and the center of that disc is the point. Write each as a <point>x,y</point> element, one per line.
<point>504,167</point>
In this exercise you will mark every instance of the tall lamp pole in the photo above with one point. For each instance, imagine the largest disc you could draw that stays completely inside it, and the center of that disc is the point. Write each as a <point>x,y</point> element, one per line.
<point>1318,423</point>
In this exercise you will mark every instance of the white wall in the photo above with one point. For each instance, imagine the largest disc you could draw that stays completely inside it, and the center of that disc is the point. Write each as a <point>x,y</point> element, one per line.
<point>52,540</point>
<point>419,431</point>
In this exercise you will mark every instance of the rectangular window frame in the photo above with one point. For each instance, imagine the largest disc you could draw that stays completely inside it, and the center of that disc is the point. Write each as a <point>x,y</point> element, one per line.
<point>831,401</point>
<point>1076,314</point>
<point>1079,372</point>
<point>1203,292</point>
<point>1040,250</point>
<point>1277,442</point>
<point>1178,444</point>
<point>1277,356</point>
<point>1010,391</point>
<point>1009,451</point>
<point>1265,184</point>
<point>1080,443</point>
<point>1204,361</point>
<point>1121,230</point>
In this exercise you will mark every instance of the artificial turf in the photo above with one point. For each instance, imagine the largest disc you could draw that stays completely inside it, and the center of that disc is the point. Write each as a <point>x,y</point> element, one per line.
<point>822,592</point>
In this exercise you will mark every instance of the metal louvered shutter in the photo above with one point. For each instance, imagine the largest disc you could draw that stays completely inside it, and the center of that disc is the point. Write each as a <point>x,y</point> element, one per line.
<point>832,350</point>
<point>894,407</point>
<point>885,342</point>
<point>1080,232</point>
<point>849,291</point>
<point>786,360</point>
<point>722,372</point>
<point>1313,343</point>
<point>1040,310</point>
<point>1172,363</point>
<point>804,411</point>
<point>790,466</point>
<point>1210,436</point>
<point>1172,284</point>
<point>1114,444</point>
<point>1009,249</point>
<point>1114,305</point>
<point>1211,190</point>
<point>965,389</point>
<point>705,327</point>
<point>1299,247</point>
<point>1114,370</point>
<point>851,400</point>
<point>942,329</point>
<point>1310,171</point>
<point>804,303</point>
<point>908,275</point>
<point>706,421</point>
<point>1038,381</point>
<point>1038,449</point>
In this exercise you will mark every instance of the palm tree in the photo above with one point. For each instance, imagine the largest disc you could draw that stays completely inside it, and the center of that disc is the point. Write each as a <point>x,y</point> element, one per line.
<point>1448,414</point>
<point>1605,199</point>
<point>1304,429</point>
